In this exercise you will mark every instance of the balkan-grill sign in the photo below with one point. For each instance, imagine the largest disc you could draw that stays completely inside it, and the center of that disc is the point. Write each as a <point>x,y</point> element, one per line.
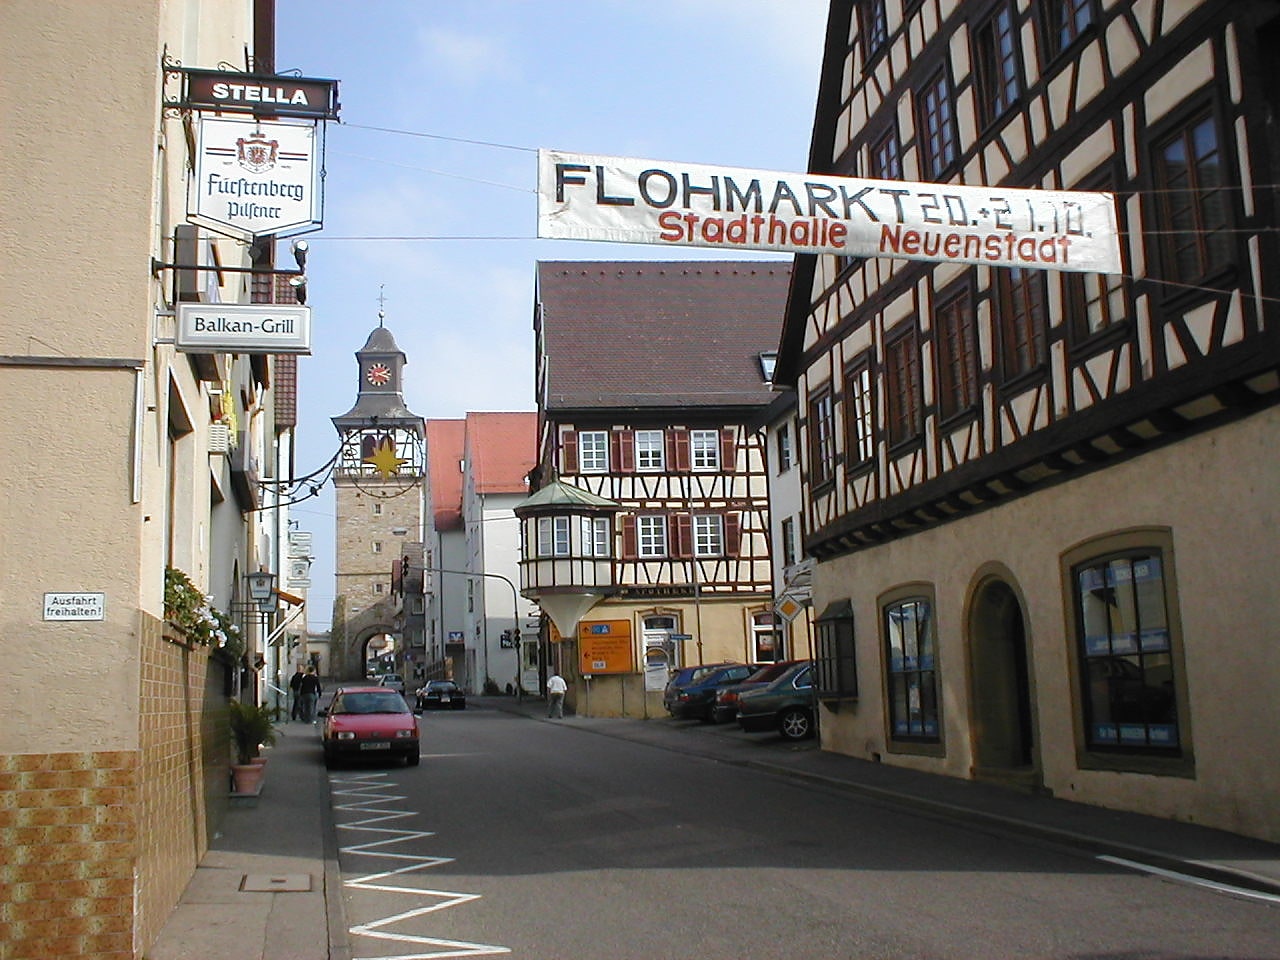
<point>587,197</point>
<point>243,328</point>
<point>255,178</point>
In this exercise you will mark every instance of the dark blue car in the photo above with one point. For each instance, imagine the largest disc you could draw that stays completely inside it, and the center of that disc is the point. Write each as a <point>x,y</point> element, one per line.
<point>697,699</point>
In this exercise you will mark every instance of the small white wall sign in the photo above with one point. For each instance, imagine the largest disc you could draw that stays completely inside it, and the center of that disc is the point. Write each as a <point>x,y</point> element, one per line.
<point>75,606</point>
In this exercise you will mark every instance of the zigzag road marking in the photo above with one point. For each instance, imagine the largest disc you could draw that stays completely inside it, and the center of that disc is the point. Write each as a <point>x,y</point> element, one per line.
<point>364,791</point>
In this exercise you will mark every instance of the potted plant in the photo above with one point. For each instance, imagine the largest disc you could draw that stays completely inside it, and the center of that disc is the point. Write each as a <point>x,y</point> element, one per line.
<point>251,728</point>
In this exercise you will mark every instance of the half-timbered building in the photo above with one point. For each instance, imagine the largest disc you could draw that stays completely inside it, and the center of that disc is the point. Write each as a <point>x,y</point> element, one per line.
<point>649,380</point>
<point>1044,504</point>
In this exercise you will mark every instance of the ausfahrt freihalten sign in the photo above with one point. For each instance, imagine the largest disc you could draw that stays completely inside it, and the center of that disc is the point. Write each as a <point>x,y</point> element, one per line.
<point>243,328</point>
<point>587,197</point>
<point>256,178</point>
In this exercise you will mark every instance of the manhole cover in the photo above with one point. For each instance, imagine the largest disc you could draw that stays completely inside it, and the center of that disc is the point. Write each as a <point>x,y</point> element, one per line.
<point>276,883</point>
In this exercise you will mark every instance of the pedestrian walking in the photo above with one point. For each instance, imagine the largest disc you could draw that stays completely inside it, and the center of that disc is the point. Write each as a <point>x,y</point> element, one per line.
<point>295,687</point>
<point>310,690</point>
<point>556,688</point>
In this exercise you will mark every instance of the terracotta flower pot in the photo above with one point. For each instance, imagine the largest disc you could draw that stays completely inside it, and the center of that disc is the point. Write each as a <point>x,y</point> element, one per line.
<point>247,778</point>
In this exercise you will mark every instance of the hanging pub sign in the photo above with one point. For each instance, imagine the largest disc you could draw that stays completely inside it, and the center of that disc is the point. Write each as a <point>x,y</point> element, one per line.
<point>257,178</point>
<point>275,96</point>
<point>587,197</point>
<point>243,328</point>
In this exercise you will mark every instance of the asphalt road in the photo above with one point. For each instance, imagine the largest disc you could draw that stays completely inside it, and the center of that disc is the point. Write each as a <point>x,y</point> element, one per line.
<point>542,841</point>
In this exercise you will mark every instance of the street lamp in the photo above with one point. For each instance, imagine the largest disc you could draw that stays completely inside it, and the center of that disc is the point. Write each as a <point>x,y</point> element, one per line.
<point>262,588</point>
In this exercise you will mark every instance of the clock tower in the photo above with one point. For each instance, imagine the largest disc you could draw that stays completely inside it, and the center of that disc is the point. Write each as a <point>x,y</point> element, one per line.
<point>380,483</point>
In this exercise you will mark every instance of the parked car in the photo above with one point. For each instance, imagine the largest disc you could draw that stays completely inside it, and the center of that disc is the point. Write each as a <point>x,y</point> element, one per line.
<point>392,680</point>
<point>682,677</point>
<point>726,703</point>
<point>441,695</point>
<point>788,704</point>
<point>696,700</point>
<point>369,721</point>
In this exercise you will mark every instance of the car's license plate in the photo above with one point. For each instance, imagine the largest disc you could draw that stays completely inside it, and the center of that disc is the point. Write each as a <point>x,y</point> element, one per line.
<point>445,698</point>
<point>375,746</point>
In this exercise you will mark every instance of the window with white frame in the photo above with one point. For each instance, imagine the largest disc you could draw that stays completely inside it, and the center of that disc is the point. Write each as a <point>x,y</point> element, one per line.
<point>650,450</point>
<point>377,546</point>
<point>784,447</point>
<point>705,445</point>
<point>708,535</point>
<point>593,451</point>
<point>651,536</point>
<point>553,536</point>
<point>595,537</point>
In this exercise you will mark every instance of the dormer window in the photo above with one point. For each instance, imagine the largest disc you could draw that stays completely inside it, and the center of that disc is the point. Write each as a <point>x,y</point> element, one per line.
<point>768,362</point>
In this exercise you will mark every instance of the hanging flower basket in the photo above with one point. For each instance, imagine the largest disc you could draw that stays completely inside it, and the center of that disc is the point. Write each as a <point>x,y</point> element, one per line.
<point>196,620</point>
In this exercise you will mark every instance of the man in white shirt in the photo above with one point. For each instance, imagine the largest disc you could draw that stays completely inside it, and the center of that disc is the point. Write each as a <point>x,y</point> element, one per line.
<point>556,688</point>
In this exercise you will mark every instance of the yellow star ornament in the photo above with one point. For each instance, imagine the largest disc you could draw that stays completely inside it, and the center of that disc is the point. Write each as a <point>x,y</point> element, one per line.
<point>384,459</point>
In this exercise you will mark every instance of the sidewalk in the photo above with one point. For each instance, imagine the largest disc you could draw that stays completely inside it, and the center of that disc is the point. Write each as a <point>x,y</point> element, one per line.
<point>1213,856</point>
<point>269,885</point>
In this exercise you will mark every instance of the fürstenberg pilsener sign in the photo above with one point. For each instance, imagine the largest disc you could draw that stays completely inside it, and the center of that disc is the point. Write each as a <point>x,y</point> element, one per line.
<point>587,197</point>
<point>243,328</point>
<point>257,178</point>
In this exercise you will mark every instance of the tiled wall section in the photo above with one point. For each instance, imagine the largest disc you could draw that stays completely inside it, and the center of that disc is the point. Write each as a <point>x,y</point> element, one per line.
<point>96,848</point>
<point>172,734</point>
<point>68,828</point>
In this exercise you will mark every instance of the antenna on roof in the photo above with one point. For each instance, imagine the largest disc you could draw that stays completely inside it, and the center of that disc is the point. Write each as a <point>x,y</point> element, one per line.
<point>382,304</point>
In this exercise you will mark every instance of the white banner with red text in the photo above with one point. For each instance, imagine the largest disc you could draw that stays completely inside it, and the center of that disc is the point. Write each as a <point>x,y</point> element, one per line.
<point>626,200</point>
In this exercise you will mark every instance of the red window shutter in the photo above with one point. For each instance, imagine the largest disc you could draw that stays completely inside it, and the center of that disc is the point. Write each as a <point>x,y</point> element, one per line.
<point>678,450</point>
<point>569,452</point>
<point>683,523</point>
<point>732,534</point>
<point>728,450</point>
<point>624,450</point>
<point>629,551</point>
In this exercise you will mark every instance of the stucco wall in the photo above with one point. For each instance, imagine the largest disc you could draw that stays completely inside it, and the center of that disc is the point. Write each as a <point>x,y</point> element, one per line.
<point>1217,493</point>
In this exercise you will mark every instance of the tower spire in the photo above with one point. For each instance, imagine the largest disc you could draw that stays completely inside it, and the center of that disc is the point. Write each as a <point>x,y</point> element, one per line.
<point>382,304</point>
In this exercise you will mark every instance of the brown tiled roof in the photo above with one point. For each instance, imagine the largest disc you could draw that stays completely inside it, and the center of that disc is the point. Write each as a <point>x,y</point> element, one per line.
<point>659,333</point>
<point>286,381</point>
<point>444,456</point>
<point>501,448</point>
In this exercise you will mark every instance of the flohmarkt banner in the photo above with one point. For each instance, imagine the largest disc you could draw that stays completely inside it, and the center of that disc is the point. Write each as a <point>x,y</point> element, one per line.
<point>586,197</point>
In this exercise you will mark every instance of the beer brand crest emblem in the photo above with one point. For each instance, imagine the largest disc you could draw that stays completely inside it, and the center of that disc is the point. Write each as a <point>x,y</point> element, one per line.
<point>256,154</point>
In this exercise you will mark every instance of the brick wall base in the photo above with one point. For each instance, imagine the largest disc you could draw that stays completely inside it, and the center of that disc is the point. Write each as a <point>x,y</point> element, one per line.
<point>97,847</point>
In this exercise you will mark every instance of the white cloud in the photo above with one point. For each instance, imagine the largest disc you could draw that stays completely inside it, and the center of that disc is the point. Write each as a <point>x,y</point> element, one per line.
<point>463,57</point>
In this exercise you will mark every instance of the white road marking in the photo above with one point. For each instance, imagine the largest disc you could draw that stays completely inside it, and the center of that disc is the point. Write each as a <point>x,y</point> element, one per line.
<point>364,789</point>
<point>1194,881</point>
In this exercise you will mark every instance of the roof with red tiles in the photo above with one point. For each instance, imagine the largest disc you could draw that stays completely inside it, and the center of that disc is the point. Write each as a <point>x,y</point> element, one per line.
<point>501,449</point>
<point>445,439</point>
<point>659,333</point>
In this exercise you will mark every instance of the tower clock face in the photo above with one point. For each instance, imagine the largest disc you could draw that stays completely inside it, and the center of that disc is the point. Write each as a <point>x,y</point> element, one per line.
<point>379,374</point>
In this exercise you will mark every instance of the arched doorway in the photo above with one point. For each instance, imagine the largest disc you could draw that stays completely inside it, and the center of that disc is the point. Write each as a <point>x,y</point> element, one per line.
<point>1002,714</point>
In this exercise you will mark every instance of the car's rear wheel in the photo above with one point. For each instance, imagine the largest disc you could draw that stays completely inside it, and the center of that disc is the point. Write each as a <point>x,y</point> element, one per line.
<point>795,723</point>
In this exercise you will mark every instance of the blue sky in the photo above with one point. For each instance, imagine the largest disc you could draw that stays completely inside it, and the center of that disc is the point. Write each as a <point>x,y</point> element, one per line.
<point>472,89</point>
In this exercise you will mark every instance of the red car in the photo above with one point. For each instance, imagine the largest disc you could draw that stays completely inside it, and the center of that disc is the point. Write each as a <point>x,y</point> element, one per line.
<point>370,721</point>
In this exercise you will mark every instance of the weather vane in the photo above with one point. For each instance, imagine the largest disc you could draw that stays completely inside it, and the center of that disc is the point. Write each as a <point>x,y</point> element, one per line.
<point>382,304</point>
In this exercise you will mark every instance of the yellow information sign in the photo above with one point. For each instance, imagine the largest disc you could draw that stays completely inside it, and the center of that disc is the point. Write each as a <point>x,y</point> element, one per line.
<point>604,646</point>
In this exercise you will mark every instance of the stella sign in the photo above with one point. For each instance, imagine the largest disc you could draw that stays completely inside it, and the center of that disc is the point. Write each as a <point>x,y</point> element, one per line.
<point>281,96</point>
<point>254,178</point>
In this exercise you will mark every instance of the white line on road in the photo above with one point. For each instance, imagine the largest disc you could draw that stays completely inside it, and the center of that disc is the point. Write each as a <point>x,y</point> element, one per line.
<point>365,788</point>
<point>1194,881</point>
